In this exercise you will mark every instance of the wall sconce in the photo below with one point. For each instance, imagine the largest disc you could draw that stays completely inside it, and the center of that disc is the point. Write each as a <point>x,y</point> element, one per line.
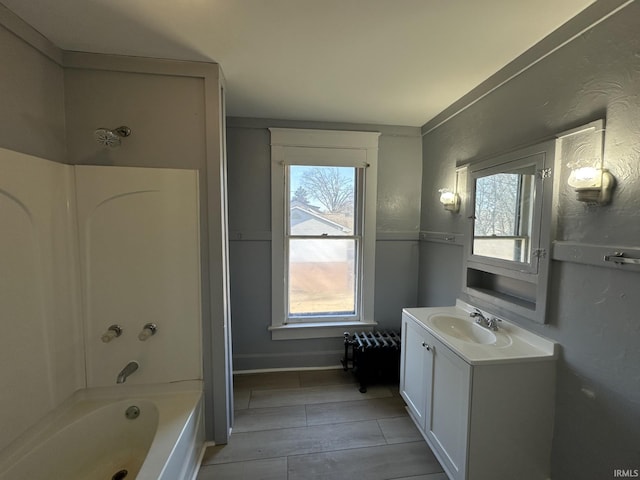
<point>449,200</point>
<point>592,185</point>
<point>583,148</point>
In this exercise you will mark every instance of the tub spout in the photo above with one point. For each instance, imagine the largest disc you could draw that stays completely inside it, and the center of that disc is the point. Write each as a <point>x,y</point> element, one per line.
<point>126,371</point>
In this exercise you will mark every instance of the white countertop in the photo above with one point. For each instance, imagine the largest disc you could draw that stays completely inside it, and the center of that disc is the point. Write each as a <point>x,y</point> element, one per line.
<point>512,344</point>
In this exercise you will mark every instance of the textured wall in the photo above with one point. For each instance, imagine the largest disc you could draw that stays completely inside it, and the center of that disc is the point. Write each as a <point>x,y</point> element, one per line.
<point>31,98</point>
<point>593,310</point>
<point>440,274</point>
<point>398,213</point>
<point>165,114</point>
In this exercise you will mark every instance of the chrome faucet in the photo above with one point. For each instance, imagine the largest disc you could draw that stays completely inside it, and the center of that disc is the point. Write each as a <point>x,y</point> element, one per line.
<point>490,323</point>
<point>479,316</point>
<point>126,371</point>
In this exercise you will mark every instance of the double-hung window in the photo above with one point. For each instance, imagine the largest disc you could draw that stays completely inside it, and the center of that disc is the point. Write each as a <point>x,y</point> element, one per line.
<point>503,230</point>
<point>323,231</point>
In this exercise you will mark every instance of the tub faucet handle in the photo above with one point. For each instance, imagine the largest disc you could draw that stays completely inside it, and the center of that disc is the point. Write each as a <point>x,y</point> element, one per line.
<point>148,330</point>
<point>112,332</point>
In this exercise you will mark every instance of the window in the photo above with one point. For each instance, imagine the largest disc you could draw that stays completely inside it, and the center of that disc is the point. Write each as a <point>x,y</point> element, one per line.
<point>504,207</point>
<point>323,231</point>
<point>503,215</point>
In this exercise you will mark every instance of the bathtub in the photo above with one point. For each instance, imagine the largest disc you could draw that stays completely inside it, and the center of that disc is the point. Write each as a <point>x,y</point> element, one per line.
<point>148,432</point>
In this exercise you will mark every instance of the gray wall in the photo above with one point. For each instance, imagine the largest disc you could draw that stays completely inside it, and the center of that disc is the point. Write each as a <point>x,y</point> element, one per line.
<point>31,92</point>
<point>594,310</point>
<point>165,114</point>
<point>398,214</point>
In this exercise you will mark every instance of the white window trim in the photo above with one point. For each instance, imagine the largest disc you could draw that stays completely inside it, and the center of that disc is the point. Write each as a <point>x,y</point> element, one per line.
<point>332,148</point>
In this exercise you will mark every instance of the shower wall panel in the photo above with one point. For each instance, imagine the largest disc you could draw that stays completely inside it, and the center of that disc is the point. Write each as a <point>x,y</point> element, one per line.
<point>41,355</point>
<point>139,255</point>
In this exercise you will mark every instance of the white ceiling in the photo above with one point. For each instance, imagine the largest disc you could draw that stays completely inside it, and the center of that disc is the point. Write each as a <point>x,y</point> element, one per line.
<point>396,62</point>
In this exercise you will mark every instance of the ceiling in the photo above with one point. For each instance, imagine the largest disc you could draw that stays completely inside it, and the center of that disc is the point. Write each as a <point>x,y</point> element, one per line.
<point>396,62</point>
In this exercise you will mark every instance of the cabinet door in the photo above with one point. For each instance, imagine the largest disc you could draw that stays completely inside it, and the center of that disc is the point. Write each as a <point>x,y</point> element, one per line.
<point>448,419</point>
<point>415,370</point>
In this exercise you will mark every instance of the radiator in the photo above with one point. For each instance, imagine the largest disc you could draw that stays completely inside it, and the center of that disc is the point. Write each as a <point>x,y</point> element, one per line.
<point>374,357</point>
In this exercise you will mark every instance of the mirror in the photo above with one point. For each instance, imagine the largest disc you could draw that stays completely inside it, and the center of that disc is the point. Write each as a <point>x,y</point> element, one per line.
<point>506,212</point>
<point>504,215</point>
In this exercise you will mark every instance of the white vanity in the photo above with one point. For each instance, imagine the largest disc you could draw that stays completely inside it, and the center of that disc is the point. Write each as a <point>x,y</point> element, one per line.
<point>482,399</point>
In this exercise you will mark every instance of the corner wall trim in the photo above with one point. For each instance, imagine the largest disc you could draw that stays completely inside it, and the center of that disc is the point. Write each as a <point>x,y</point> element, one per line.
<point>442,237</point>
<point>588,254</point>
<point>407,236</point>
<point>21,29</point>
<point>587,19</point>
<point>265,123</point>
<point>265,236</point>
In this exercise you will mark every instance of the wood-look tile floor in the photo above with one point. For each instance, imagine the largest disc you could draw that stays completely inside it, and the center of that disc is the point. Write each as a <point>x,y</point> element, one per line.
<point>312,425</point>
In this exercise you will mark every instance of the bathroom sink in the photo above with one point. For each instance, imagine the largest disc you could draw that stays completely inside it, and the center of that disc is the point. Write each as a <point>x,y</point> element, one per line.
<point>476,344</point>
<point>463,329</point>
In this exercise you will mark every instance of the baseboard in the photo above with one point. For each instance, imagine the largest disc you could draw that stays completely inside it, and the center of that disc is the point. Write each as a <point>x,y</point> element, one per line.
<point>200,457</point>
<point>263,362</point>
<point>205,445</point>
<point>292,369</point>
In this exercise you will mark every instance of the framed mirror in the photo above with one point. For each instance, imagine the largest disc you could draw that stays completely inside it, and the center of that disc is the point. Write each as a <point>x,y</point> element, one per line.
<point>508,240</point>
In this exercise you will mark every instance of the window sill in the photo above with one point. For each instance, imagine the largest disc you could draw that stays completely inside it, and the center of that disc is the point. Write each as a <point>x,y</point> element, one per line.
<point>299,331</point>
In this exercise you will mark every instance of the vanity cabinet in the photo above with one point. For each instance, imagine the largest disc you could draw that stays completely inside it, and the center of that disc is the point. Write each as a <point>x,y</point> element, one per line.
<point>435,383</point>
<point>483,421</point>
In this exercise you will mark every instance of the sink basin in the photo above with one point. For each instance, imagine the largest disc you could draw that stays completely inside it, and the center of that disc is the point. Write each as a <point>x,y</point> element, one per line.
<point>475,344</point>
<point>462,329</point>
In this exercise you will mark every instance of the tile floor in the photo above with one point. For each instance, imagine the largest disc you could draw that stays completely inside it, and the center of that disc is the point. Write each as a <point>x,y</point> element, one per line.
<point>316,425</point>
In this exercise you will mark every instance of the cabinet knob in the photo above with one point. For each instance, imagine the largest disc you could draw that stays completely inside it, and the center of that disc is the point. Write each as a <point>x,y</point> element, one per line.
<point>426,345</point>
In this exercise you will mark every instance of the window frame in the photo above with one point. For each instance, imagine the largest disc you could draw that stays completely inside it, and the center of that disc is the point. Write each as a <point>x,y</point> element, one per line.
<point>322,148</point>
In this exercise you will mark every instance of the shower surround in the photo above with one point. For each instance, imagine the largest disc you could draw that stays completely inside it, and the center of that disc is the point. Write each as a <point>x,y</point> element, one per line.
<point>84,248</point>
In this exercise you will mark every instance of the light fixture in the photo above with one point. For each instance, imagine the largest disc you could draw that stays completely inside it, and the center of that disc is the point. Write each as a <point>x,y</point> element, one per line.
<point>449,200</point>
<point>582,148</point>
<point>592,185</point>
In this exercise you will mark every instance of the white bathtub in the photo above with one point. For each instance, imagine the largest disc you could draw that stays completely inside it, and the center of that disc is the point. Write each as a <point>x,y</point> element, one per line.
<point>90,437</point>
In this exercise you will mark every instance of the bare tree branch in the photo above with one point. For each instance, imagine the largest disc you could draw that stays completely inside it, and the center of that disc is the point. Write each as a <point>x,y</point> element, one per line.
<point>332,190</point>
<point>496,205</point>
